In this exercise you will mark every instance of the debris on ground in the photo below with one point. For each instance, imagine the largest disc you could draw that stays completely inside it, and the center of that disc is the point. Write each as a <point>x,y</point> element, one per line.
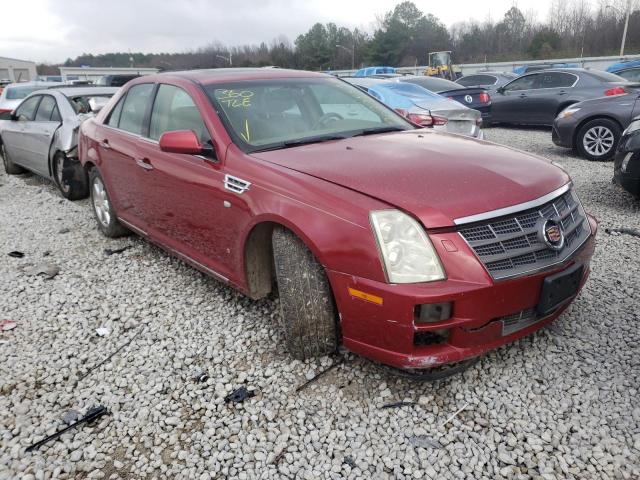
<point>103,331</point>
<point>239,395</point>
<point>619,231</point>
<point>319,375</point>
<point>423,441</point>
<point>85,374</point>
<point>348,460</point>
<point>108,251</point>
<point>455,414</point>
<point>399,404</point>
<point>71,416</point>
<point>16,254</point>
<point>92,415</point>
<point>6,325</point>
<point>200,376</point>
<point>64,230</point>
<point>49,270</point>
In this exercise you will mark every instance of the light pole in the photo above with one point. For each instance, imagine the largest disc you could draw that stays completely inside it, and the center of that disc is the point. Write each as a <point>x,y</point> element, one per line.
<point>626,25</point>
<point>228,59</point>
<point>353,54</point>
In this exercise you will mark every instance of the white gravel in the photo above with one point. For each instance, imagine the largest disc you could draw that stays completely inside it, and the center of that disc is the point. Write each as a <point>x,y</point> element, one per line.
<point>560,404</point>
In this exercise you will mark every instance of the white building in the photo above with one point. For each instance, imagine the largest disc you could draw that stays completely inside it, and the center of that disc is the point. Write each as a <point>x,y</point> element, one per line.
<point>17,70</point>
<point>95,73</point>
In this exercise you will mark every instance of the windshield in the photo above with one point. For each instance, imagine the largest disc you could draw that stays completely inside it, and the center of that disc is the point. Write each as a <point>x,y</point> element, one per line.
<point>18,93</point>
<point>268,114</point>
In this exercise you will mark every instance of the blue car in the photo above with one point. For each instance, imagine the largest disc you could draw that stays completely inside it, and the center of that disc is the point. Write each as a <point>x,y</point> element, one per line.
<point>629,70</point>
<point>368,71</point>
<point>423,107</point>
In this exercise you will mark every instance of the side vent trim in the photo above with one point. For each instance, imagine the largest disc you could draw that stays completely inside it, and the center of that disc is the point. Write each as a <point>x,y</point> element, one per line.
<point>235,184</point>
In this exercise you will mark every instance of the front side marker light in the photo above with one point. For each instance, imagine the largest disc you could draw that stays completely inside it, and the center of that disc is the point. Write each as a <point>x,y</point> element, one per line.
<point>406,251</point>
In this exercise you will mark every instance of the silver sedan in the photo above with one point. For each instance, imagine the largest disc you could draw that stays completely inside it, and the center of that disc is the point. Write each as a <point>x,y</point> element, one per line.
<point>42,135</point>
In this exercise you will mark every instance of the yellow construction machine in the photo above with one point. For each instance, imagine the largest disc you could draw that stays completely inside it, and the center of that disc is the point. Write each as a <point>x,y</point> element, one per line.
<point>440,66</point>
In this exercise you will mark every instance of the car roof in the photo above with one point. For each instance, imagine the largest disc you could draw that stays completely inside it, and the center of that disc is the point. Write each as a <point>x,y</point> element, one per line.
<point>221,75</point>
<point>78,91</point>
<point>32,84</point>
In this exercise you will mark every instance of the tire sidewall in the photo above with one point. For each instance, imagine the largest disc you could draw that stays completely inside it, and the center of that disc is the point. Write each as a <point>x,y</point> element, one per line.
<point>600,122</point>
<point>78,183</point>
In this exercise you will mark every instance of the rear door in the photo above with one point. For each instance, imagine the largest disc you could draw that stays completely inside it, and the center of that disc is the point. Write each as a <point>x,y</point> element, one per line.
<point>39,133</point>
<point>14,134</point>
<point>510,103</point>
<point>552,89</point>
<point>118,138</point>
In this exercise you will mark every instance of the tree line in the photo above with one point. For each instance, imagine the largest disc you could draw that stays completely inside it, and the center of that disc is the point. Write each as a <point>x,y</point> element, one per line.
<point>405,35</point>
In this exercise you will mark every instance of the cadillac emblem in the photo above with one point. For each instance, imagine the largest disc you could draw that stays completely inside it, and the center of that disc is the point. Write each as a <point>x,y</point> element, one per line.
<point>468,98</point>
<point>552,234</point>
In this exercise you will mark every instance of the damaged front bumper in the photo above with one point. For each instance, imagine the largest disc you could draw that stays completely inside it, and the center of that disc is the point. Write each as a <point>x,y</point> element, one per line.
<point>382,321</point>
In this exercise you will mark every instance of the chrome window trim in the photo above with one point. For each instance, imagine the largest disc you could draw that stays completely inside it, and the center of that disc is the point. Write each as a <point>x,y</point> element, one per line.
<point>544,88</point>
<point>514,208</point>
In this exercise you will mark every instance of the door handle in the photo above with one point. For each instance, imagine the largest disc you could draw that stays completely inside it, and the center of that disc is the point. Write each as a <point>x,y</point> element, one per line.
<point>144,163</point>
<point>522,95</point>
<point>562,92</point>
<point>105,144</point>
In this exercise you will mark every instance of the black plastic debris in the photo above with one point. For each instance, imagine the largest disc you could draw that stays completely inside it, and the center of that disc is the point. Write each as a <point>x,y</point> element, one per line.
<point>98,365</point>
<point>108,251</point>
<point>628,231</point>
<point>16,254</point>
<point>91,416</point>
<point>399,404</point>
<point>64,230</point>
<point>239,395</point>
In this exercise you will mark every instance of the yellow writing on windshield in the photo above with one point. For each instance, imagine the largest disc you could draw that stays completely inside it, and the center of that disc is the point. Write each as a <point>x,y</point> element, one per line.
<point>234,98</point>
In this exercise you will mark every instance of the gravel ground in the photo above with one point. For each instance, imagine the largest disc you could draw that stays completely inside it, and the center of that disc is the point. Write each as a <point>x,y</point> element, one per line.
<point>559,404</point>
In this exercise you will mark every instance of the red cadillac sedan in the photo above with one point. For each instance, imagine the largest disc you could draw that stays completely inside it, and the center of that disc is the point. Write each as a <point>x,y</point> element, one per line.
<point>411,247</point>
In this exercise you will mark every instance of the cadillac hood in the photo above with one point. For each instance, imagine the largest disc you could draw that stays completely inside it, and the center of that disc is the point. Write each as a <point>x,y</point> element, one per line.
<point>436,177</point>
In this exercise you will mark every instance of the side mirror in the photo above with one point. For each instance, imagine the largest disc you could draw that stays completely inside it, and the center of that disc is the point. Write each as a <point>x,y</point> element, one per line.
<point>13,117</point>
<point>500,90</point>
<point>96,103</point>
<point>181,141</point>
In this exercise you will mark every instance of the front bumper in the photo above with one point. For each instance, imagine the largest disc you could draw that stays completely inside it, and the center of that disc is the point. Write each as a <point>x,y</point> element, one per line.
<point>385,330</point>
<point>562,133</point>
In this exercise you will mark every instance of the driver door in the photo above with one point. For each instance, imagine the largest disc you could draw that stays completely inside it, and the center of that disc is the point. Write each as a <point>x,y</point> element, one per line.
<point>39,133</point>
<point>14,134</point>
<point>510,103</point>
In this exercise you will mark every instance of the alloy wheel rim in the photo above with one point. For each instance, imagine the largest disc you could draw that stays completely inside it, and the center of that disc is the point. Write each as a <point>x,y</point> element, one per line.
<point>101,203</point>
<point>598,141</point>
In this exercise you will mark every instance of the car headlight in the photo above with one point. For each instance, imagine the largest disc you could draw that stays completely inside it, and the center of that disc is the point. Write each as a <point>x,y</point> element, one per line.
<point>568,112</point>
<point>407,253</point>
<point>633,126</point>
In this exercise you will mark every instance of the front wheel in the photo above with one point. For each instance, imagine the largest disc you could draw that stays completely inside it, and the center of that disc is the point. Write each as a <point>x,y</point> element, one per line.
<point>308,314</point>
<point>70,177</point>
<point>103,208</point>
<point>597,140</point>
<point>9,167</point>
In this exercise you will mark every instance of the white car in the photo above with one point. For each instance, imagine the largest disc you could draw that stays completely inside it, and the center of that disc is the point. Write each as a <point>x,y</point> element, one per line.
<point>14,93</point>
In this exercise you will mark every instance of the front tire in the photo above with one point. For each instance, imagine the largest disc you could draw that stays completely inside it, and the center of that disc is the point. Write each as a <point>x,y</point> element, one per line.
<point>308,315</point>
<point>9,167</point>
<point>598,139</point>
<point>70,177</point>
<point>103,208</point>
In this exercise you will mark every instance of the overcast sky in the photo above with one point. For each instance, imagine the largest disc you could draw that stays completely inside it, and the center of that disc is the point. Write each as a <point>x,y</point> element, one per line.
<point>53,30</point>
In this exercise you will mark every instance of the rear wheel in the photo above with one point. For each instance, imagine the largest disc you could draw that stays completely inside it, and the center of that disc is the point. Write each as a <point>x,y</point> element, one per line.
<point>9,167</point>
<point>70,177</point>
<point>597,140</point>
<point>308,314</point>
<point>103,208</point>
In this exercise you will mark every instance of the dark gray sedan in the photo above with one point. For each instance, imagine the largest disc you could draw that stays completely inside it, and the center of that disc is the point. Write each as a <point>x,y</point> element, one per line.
<point>41,135</point>
<point>593,127</point>
<point>537,98</point>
